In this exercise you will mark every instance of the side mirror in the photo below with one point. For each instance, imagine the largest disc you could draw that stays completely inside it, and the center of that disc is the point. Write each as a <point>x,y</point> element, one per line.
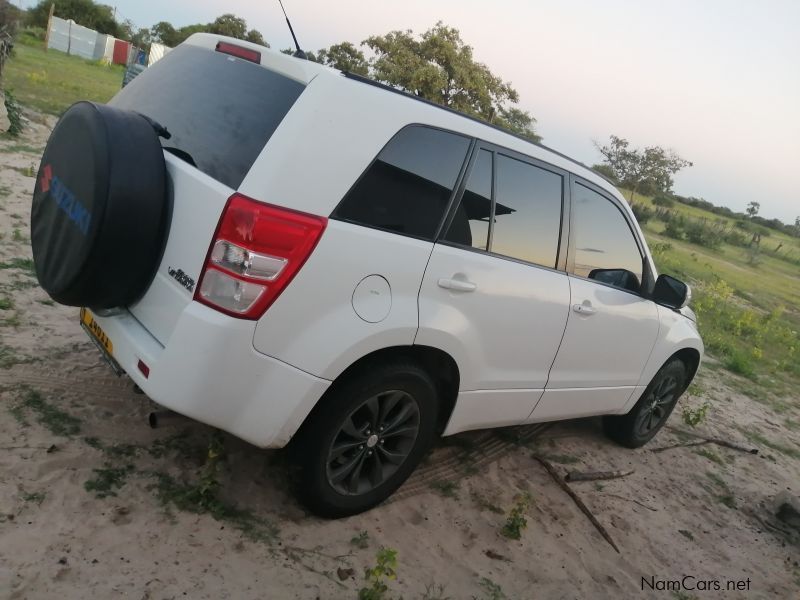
<point>621,278</point>
<point>671,292</point>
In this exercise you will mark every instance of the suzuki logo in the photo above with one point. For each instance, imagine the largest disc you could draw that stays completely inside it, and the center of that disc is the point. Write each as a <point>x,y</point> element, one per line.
<point>47,175</point>
<point>65,199</point>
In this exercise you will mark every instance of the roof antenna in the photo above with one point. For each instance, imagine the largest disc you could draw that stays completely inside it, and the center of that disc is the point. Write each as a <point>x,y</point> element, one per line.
<point>298,53</point>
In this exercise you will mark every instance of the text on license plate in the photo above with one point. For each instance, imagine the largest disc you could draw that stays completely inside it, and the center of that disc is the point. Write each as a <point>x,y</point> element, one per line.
<point>96,331</point>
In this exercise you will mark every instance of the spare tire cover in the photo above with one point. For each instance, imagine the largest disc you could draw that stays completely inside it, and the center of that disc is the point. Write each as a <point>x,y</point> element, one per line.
<point>99,213</point>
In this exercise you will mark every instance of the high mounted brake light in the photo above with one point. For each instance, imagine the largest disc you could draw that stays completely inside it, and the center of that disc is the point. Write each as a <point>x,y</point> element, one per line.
<point>257,250</point>
<point>239,52</point>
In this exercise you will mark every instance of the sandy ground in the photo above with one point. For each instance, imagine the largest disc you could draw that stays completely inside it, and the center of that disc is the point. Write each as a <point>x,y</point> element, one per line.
<point>70,431</point>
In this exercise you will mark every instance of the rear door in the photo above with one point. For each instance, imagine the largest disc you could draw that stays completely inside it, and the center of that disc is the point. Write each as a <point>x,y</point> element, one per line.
<point>493,296</point>
<point>612,328</point>
<point>220,111</point>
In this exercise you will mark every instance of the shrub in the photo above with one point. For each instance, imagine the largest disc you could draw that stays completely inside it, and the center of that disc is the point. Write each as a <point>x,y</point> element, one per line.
<point>695,417</point>
<point>385,569</point>
<point>674,229</point>
<point>736,238</point>
<point>739,362</point>
<point>702,233</point>
<point>14,114</point>
<point>642,212</point>
<point>516,521</point>
<point>664,201</point>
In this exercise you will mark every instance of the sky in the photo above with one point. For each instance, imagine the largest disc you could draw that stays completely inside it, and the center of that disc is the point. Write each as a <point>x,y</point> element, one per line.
<point>717,81</point>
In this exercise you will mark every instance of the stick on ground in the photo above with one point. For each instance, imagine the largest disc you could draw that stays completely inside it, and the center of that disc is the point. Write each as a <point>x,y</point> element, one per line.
<point>709,440</point>
<point>596,475</point>
<point>575,498</point>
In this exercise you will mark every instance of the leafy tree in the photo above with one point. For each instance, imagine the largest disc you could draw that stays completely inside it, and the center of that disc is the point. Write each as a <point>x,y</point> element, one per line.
<point>440,67</point>
<point>647,170</point>
<point>229,25</point>
<point>164,33</point>
<point>141,38</point>
<point>752,208</point>
<point>10,16</point>
<point>606,171</point>
<point>309,55</point>
<point>518,121</point>
<point>84,12</point>
<point>345,57</point>
<point>255,37</point>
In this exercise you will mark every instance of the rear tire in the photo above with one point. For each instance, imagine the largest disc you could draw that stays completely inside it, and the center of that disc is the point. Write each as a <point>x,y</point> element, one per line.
<point>651,412</point>
<point>364,439</point>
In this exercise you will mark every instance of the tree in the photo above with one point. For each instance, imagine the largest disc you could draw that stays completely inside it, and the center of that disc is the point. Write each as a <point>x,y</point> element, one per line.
<point>10,16</point>
<point>163,33</point>
<point>440,67</point>
<point>345,57</point>
<point>518,121</point>
<point>607,172</point>
<point>797,226</point>
<point>752,208</point>
<point>84,12</point>
<point>648,170</point>
<point>256,38</point>
<point>309,55</point>
<point>229,25</point>
<point>142,38</point>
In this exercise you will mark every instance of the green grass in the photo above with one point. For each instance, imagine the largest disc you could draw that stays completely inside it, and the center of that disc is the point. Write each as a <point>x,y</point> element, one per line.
<point>108,480</point>
<point>748,314</point>
<point>53,418</point>
<point>24,264</point>
<point>758,438</point>
<point>52,81</point>
<point>448,489</point>
<point>725,496</point>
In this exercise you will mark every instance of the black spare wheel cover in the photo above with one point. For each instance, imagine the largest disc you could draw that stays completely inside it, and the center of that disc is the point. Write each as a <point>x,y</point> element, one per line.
<point>98,219</point>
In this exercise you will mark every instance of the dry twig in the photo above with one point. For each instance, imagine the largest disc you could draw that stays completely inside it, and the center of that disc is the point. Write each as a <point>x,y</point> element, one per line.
<point>596,475</point>
<point>575,498</point>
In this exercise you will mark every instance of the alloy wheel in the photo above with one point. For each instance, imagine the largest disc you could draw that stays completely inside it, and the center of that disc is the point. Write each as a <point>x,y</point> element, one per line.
<point>372,442</point>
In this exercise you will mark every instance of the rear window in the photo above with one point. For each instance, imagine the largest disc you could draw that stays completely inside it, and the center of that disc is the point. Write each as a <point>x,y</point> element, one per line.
<point>407,188</point>
<point>220,110</point>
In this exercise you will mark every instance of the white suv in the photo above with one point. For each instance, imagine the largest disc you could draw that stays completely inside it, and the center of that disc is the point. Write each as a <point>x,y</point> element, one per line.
<point>294,254</point>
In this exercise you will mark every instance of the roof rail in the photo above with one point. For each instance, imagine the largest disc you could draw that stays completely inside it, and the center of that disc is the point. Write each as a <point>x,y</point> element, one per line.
<point>388,88</point>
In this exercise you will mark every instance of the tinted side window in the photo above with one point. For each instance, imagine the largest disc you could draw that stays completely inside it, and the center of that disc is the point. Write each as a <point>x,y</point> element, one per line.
<point>603,241</point>
<point>407,188</point>
<point>527,221</point>
<point>470,226</point>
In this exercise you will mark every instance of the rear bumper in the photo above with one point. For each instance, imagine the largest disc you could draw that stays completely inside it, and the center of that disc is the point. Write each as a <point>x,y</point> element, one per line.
<point>211,372</point>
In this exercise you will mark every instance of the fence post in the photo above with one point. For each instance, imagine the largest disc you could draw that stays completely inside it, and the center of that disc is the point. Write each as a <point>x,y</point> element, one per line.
<point>49,24</point>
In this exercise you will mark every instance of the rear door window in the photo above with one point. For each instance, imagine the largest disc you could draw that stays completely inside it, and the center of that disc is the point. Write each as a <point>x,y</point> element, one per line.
<point>407,188</point>
<point>527,214</point>
<point>520,218</point>
<point>220,110</point>
<point>470,225</point>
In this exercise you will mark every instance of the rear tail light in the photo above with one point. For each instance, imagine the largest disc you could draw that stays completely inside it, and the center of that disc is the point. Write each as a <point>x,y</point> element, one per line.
<point>256,252</point>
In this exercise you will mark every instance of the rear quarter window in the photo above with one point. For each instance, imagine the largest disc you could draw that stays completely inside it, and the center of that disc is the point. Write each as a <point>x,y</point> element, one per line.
<point>407,188</point>
<point>220,110</point>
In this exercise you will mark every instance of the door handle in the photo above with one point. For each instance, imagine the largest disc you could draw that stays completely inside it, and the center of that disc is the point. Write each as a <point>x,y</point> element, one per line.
<point>459,285</point>
<point>584,309</point>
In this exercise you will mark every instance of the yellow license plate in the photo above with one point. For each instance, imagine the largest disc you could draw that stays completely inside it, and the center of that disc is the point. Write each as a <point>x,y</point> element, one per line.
<point>90,325</point>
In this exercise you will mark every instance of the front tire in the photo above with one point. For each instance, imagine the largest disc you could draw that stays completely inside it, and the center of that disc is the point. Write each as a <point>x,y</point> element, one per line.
<point>365,438</point>
<point>652,410</point>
